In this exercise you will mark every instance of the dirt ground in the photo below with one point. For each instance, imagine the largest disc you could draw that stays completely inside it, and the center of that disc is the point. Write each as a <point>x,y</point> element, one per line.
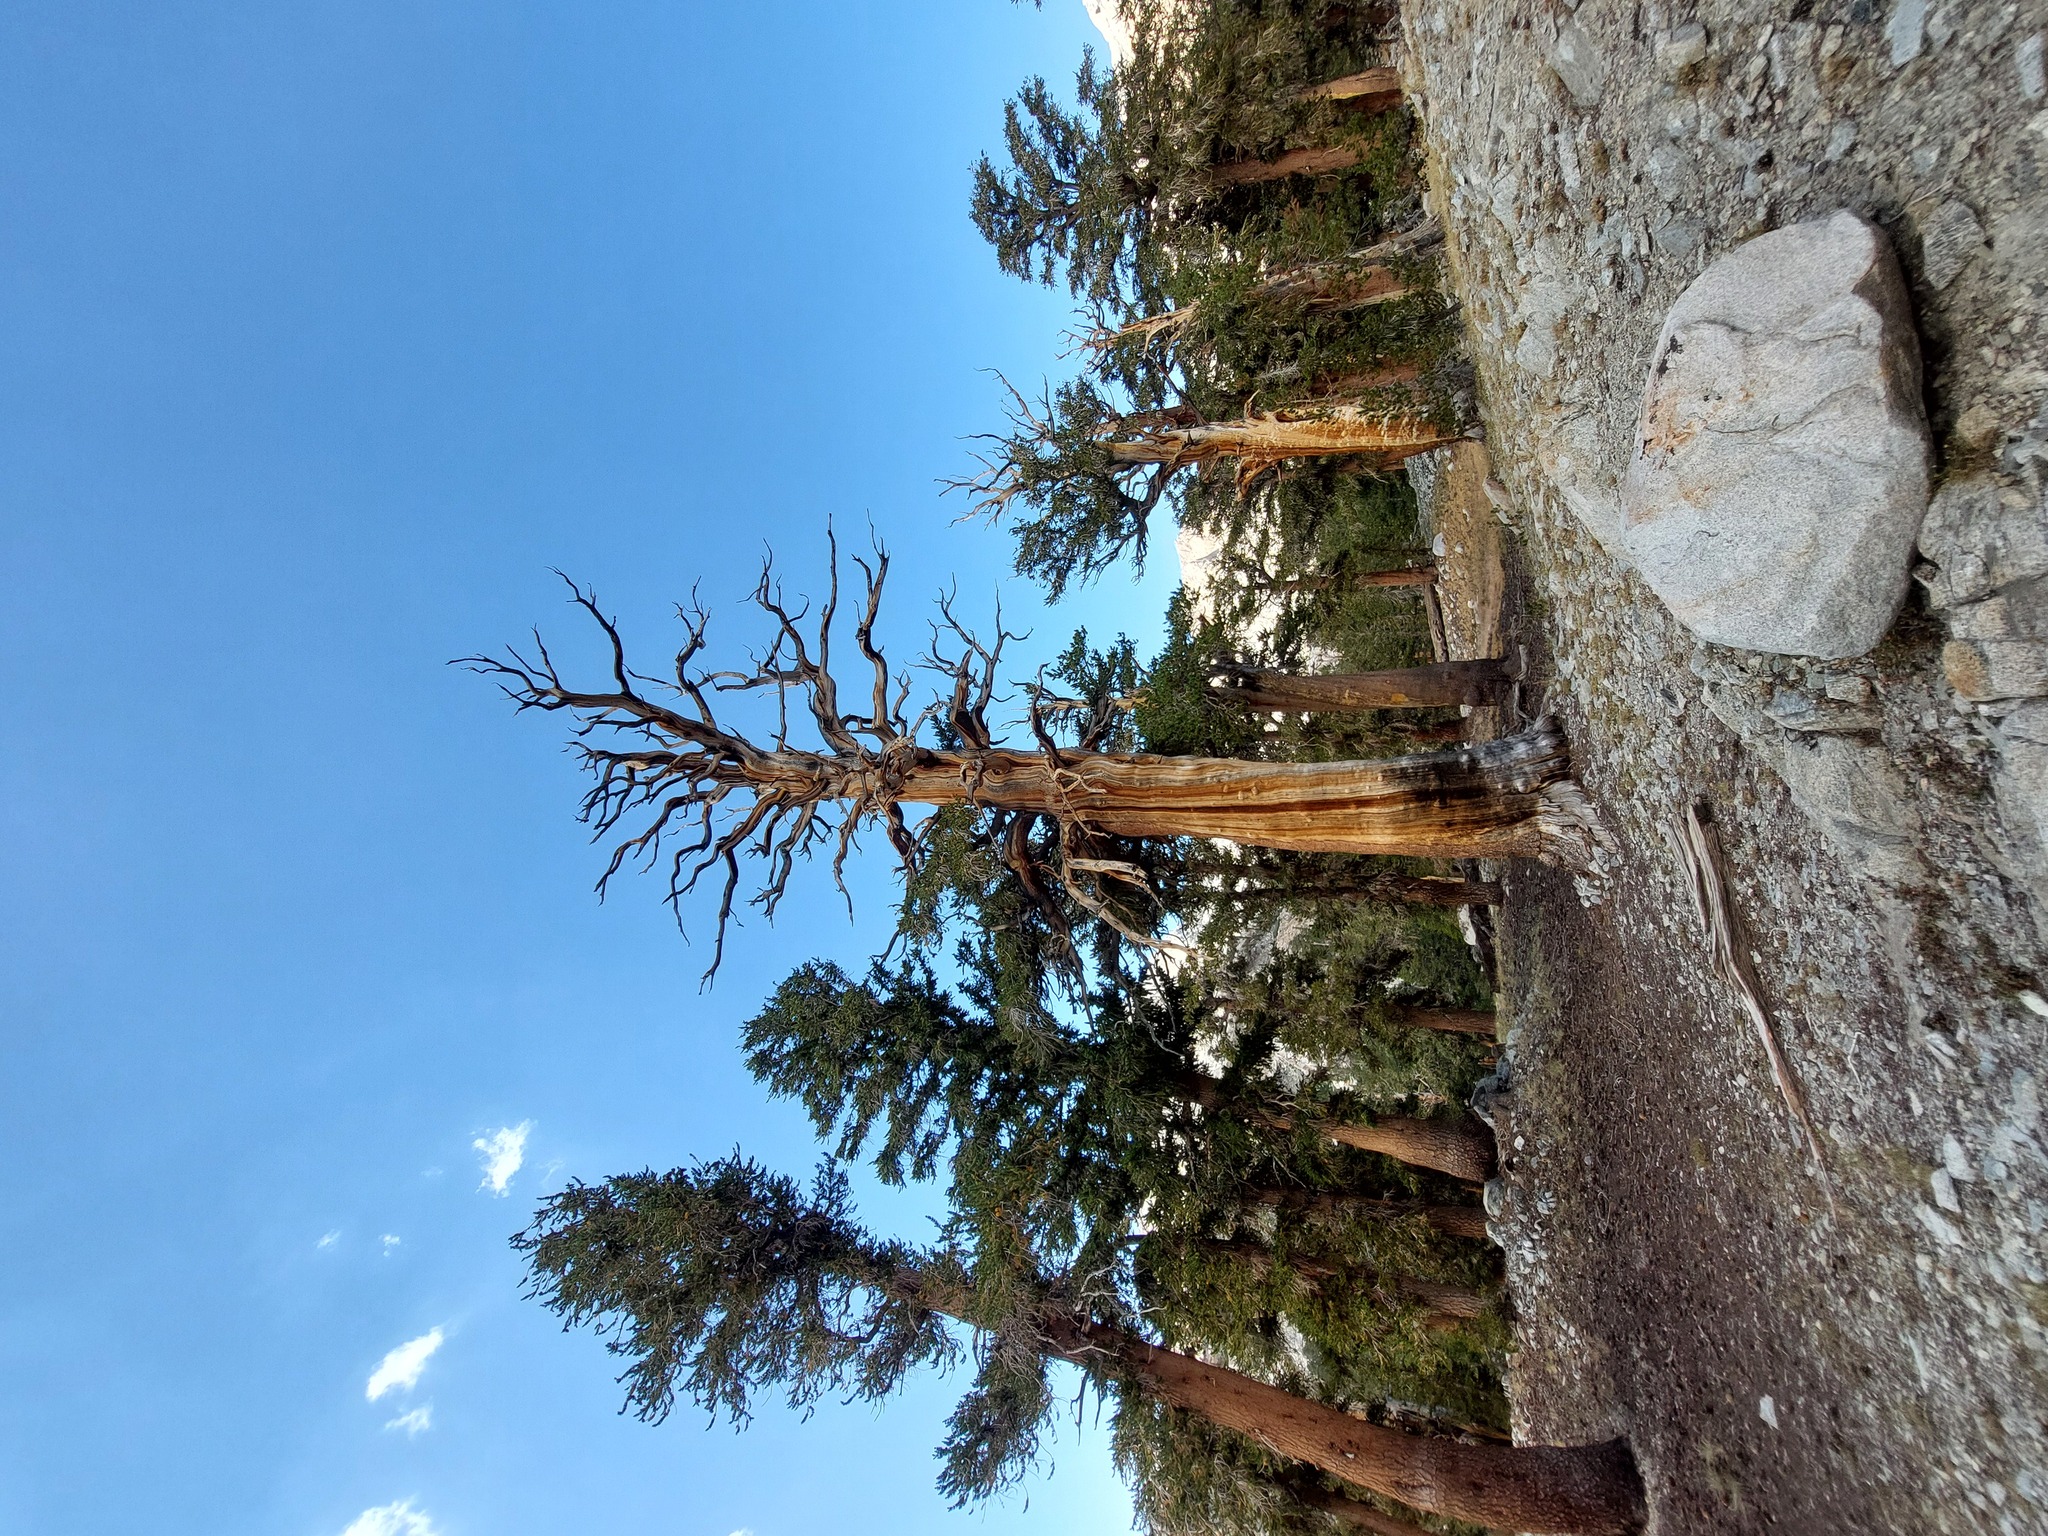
<point>1860,1351</point>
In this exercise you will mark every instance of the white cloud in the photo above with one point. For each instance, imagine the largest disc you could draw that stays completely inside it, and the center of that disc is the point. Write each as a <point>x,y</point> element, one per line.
<point>329,1239</point>
<point>745,1530</point>
<point>390,1243</point>
<point>502,1152</point>
<point>414,1421</point>
<point>399,1519</point>
<point>400,1370</point>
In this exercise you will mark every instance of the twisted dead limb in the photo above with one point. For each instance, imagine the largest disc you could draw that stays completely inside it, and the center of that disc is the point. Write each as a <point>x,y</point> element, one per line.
<point>679,786</point>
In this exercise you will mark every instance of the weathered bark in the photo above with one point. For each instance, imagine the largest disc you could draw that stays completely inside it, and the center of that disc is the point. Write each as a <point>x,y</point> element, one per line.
<point>1461,1148</point>
<point>1450,1021</point>
<point>1296,162</point>
<point>1371,89</point>
<point>1439,685</point>
<point>1451,1220</point>
<point>1359,1515</point>
<point>1413,890</point>
<point>1510,798</point>
<point>1592,1490</point>
<point>1344,282</point>
<point>1269,438</point>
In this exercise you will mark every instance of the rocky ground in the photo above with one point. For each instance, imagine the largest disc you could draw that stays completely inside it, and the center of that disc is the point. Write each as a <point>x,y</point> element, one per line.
<point>1861,1349</point>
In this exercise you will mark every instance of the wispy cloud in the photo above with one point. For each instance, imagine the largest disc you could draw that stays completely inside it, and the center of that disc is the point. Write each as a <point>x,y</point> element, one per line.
<point>502,1151</point>
<point>400,1370</point>
<point>414,1421</point>
<point>399,1519</point>
<point>390,1242</point>
<point>329,1239</point>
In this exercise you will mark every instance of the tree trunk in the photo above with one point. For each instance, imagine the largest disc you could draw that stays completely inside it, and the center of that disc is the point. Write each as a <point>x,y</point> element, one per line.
<point>1372,89</point>
<point>1451,1220</point>
<point>1359,1515</point>
<point>1296,162</point>
<point>1461,1148</point>
<point>1439,685</point>
<point>1591,1490</point>
<point>1270,438</point>
<point>1499,799</point>
<point>1450,1021</point>
<point>1414,890</point>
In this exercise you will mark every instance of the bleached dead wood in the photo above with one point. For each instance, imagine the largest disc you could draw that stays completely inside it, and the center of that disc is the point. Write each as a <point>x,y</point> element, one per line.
<point>1698,845</point>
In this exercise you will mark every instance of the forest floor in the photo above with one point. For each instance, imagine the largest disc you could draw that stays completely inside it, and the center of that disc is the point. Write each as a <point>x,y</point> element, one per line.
<point>1862,1351</point>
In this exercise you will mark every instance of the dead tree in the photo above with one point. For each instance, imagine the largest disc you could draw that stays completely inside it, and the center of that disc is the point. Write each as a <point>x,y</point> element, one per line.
<point>677,785</point>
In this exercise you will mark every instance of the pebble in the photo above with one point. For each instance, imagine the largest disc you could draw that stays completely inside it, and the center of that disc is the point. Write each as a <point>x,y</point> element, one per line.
<point>1576,59</point>
<point>1949,236</point>
<point>1680,49</point>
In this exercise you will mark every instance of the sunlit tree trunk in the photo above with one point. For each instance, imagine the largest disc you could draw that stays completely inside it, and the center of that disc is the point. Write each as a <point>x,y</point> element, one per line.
<point>1325,161</point>
<point>1451,1220</point>
<point>1462,1148</point>
<point>1509,798</point>
<point>1369,88</point>
<point>1261,441</point>
<point>1583,1489</point>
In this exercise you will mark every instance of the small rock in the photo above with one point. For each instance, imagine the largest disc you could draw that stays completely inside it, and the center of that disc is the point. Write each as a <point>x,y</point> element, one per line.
<point>1956,1161</point>
<point>1944,1186</point>
<point>1576,59</point>
<point>1799,711</point>
<point>1907,31</point>
<point>1780,467</point>
<point>1848,688</point>
<point>1767,1410</point>
<point>1841,139</point>
<point>1859,799</point>
<point>1977,428</point>
<point>2016,612</point>
<point>1680,49</point>
<point>1983,671</point>
<point>1679,238</point>
<point>1949,236</point>
<point>1980,536</point>
<point>2027,57</point>
<point>1939,1225</point>
<point>2021,782</point>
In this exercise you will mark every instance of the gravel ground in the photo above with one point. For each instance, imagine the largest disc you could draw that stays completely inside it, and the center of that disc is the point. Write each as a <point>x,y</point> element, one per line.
<point>1864,1351</point>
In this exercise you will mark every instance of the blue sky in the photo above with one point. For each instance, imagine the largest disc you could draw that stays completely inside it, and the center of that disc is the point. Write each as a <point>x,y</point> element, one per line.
<point>326,329</point>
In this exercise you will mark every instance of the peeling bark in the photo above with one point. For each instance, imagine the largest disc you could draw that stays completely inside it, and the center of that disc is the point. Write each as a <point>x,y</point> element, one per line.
<point>1296,162</point>
<point>1499,799</point>
<point>1267,439</point>
<point>1371,89</point>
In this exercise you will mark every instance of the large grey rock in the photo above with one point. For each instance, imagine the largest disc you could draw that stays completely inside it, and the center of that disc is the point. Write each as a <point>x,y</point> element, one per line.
<point>1780,467</point>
